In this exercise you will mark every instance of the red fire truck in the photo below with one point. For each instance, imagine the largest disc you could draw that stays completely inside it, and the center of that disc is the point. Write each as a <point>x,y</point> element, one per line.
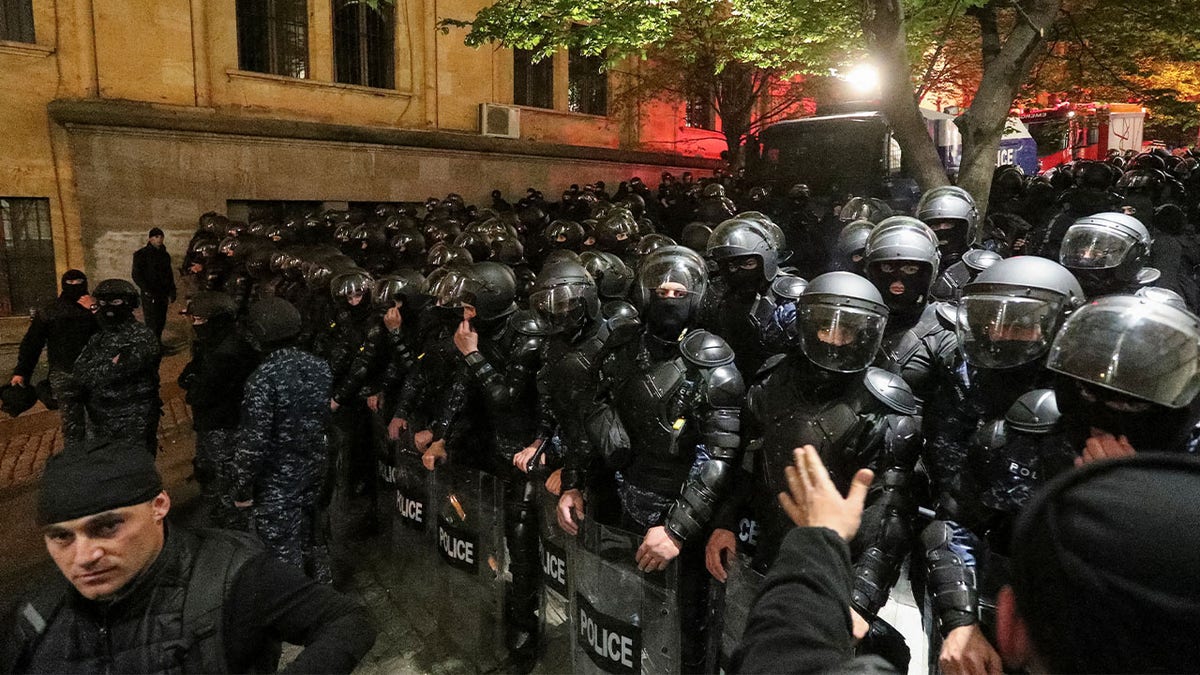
<point>1084,130</point>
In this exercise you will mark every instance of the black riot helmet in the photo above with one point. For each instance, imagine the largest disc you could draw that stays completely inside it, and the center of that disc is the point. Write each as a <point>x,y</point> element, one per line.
<point>508,249</point>
<point>613,277</point>
<point>650,242</point>
<point>617,233</point>
<point>404,288</point>
<point>210,305</point>
<point>841,317</point>
<point>407,244</point>
<point>865,208</point>
<point>1010,313</point>
<point>565,296</point>
<point>352,286</point>
<point>1137,347</point>
<point>737,241</point>
<point>489,287</point>
<point>901,259</point>
<point>850,248</point>
<point>440,255</point>
<point>1105,251</point>
<point>474,243</point>
<point>951,213</point>
<point>669,289</point>
<point>272,321</point>
<point>695,236</point>
<point>116,292</point>
<point>563,234</point>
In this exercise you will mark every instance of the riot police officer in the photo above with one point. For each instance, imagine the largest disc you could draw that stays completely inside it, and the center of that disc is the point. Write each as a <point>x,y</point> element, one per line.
<point>116,375</point>
<point>747,260</point>
<point>951,213</point>
<point>1107,253</point>
<point>902,260</point>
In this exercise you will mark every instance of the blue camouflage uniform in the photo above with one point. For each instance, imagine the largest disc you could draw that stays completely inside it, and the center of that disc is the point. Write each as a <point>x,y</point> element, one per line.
<point>282,453</point>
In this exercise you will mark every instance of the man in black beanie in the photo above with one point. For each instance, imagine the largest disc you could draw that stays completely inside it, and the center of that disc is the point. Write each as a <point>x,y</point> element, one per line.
<point>154,277</point>
<point>62,328</point>
<point>1106,571</point>
<point>138,595</point>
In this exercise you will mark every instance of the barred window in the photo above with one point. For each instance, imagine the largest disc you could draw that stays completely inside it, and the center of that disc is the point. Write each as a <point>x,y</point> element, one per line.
<point>16,20</point>
<point>364,43</point>
<point>273,36</point>
<point>26,255</point>
<point>587,90</point>
<point>698,114</point>
<point>533,83</point>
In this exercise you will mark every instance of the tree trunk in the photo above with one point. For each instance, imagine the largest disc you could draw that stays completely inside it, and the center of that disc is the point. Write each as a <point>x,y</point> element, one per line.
<point>883,24</point>
<point>1005,66</point>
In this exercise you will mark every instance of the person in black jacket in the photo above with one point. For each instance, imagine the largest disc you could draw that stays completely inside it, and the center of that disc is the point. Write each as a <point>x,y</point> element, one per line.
<point>116,376</point>
<point>138,594</point>
<point>215,379</point>
<point>154,277</point>
<point>62,328</point>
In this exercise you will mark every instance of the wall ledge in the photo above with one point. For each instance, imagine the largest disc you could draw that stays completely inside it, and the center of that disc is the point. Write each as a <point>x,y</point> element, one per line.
<point>136,115</point>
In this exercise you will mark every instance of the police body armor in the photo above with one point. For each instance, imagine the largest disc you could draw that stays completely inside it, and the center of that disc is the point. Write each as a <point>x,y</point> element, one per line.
<point>922,351</point>
<point>567,390</point>
<point>672,398</point>
<point>749,327</point>
<point>504,369</point>
<point>851,419</point>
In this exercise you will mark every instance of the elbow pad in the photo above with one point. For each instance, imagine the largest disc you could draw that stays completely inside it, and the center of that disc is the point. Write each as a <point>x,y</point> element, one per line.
<point>695,506</point>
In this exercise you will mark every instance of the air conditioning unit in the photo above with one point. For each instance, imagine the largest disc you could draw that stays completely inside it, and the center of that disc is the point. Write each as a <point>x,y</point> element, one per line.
<point>499,120</point>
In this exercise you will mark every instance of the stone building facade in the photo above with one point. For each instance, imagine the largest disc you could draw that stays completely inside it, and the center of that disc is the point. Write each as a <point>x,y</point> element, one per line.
<point>120,115</point>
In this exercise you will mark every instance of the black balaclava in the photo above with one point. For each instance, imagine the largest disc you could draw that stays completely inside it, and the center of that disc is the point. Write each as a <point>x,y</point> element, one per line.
<point>1148,426</point>
<point>73,292</point>
<point>111,316</point>
<point>916,286</point>
<point>667,317</point>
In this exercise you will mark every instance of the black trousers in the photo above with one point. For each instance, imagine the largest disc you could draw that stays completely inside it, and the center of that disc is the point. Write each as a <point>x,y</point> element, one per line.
<point>154,309</point>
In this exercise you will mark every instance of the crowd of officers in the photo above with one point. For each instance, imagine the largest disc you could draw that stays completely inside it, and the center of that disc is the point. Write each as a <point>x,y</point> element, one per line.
<point>658,354</point>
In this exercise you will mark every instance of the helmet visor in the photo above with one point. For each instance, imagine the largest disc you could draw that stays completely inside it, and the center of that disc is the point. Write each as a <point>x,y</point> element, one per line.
<point>842,339</point>
<point>1148,351</point>
<point>672,274</point>
<point>1093,247</point>
<point>454,289</point>
<point>998,331</point>
<point>566,305</point>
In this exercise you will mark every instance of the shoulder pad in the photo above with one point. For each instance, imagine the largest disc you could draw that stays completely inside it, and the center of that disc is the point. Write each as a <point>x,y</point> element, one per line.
<point>1148,276</point>
<point>891,389</point>
<point>527,322</point>
<point>619,330</point>
<point>947,314</point>
<point>1035,412</point>
<point>788,287</point>
<point>770,364</point>
<point>705,349</point>
<point>991,436</point>
<point>618,309</point>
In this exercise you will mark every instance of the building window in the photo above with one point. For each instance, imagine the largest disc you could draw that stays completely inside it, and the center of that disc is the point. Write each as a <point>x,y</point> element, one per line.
<point>16,20</point>
<point>698,114</point>
<point>26,255</point>
<point>587,84</point>
<point>533,83</point>
<point>364,43</point>
<point>273,36</point>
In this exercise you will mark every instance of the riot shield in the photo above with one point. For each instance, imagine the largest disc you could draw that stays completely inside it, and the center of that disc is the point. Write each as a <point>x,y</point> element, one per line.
<point>469,510</point>
<point>554,547</point>
<point>413,534</point>
<point>622,621</point>
<point>385,473</point>
<point>729,610</point>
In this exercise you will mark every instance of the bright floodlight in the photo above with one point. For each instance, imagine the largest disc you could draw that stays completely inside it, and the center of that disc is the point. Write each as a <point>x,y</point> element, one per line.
<point>864,78</point>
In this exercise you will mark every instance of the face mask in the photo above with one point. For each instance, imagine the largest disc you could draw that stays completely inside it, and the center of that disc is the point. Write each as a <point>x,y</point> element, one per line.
<point>73,292</point>
<point>743,283</point>
<point>667,317</point>
<point>111,316</point>
<point>902,292</point>
<point>1147,426</point>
